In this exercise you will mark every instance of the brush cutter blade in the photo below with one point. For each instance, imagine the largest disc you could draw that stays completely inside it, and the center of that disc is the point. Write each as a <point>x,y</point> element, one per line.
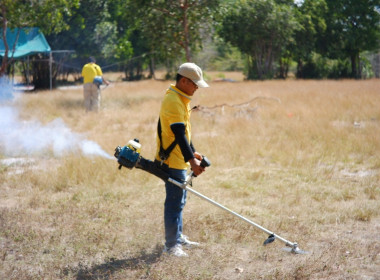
<point>295,250</point>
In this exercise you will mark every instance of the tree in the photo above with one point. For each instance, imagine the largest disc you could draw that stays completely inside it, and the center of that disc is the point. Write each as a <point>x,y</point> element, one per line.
<point>92,31</point>
<point>311,17</point>
<point>48,15</point>
<point>261,29</point>
<point>133,52</point>
<point>110,31</point>
<point>173,26</point>
<point>352,27</point>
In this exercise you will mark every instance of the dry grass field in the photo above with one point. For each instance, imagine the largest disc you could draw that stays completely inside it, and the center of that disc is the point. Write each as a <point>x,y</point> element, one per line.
<point>301,158</point>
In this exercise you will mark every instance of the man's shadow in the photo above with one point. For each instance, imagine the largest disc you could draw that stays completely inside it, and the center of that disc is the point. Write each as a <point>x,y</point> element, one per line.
<point>107,269</point>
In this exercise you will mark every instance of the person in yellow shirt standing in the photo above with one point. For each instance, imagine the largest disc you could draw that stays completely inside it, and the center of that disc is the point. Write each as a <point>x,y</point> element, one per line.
<point>92,79</point>
<point>176,152</point>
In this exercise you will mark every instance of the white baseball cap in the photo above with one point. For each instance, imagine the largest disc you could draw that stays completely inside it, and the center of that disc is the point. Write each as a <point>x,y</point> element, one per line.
<point>193,72</point>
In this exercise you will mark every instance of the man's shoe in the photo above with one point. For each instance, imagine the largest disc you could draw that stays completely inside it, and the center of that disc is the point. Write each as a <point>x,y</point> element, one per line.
<point>176,251</point>
<point>184,240</point>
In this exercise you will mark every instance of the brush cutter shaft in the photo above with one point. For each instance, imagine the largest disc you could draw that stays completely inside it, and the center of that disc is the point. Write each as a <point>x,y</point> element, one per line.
<point>129,157</point>
<point>184,186</point>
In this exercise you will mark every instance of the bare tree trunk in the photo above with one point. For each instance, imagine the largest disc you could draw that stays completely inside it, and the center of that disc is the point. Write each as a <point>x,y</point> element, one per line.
<point>299,73</point>
<point>4,63</point>
<point>355,64</point>
<point>186,43</point>
<point>151,68</point>
<point>268,60</point>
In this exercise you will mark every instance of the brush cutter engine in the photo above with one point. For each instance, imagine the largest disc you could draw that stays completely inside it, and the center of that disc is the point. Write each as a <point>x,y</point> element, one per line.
<point>128,155</point>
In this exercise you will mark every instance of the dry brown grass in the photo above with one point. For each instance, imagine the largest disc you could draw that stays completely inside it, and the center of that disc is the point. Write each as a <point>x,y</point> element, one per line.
<point>307,167</point>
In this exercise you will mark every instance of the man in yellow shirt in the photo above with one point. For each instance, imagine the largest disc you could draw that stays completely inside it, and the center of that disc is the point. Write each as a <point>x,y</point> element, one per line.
<point>174,127</point>
<point>92,79</point>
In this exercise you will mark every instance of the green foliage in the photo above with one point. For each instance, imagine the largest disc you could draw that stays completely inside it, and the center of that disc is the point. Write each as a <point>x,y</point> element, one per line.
<point>315,67</point>
<point>311,16</point>
<point>366,67</point>
<point>105,37</point>
<point>261,30</point>
<point>49,15</point>
<point>231,60</point>
<point>352,27</point>
<point>220,56</point>
<point>175,28</point>
<point>320,67</point>
<point>339,68</point>
<point>92,32</point>
<point>124,48</point>
<point>325,38</point>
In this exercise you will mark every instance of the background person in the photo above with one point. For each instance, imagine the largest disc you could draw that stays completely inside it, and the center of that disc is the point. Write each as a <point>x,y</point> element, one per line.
<point>91,88</point>
<point>175,125</point>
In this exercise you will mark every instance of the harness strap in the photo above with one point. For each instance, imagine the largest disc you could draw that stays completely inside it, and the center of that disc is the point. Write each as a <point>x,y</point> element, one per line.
<point>164,153</point>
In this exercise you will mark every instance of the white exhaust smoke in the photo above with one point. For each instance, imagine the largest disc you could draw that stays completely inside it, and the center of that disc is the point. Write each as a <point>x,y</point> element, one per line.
<point>21,138</point>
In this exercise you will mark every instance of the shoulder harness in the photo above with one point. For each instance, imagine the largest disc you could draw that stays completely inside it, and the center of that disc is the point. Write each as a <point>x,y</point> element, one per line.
<point>164,153</point>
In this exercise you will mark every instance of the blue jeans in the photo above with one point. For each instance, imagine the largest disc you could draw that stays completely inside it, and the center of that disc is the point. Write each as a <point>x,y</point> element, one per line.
<point>174,203</point>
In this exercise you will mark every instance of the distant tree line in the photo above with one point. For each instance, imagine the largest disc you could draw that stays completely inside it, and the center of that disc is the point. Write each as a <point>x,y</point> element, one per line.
<point>264,38</point>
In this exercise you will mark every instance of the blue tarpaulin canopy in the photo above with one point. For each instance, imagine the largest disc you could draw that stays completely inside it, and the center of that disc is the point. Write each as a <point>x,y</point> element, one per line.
<point>30,41</point>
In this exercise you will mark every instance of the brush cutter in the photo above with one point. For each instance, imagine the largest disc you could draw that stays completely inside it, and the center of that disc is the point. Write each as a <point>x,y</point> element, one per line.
<point>129,157</point>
